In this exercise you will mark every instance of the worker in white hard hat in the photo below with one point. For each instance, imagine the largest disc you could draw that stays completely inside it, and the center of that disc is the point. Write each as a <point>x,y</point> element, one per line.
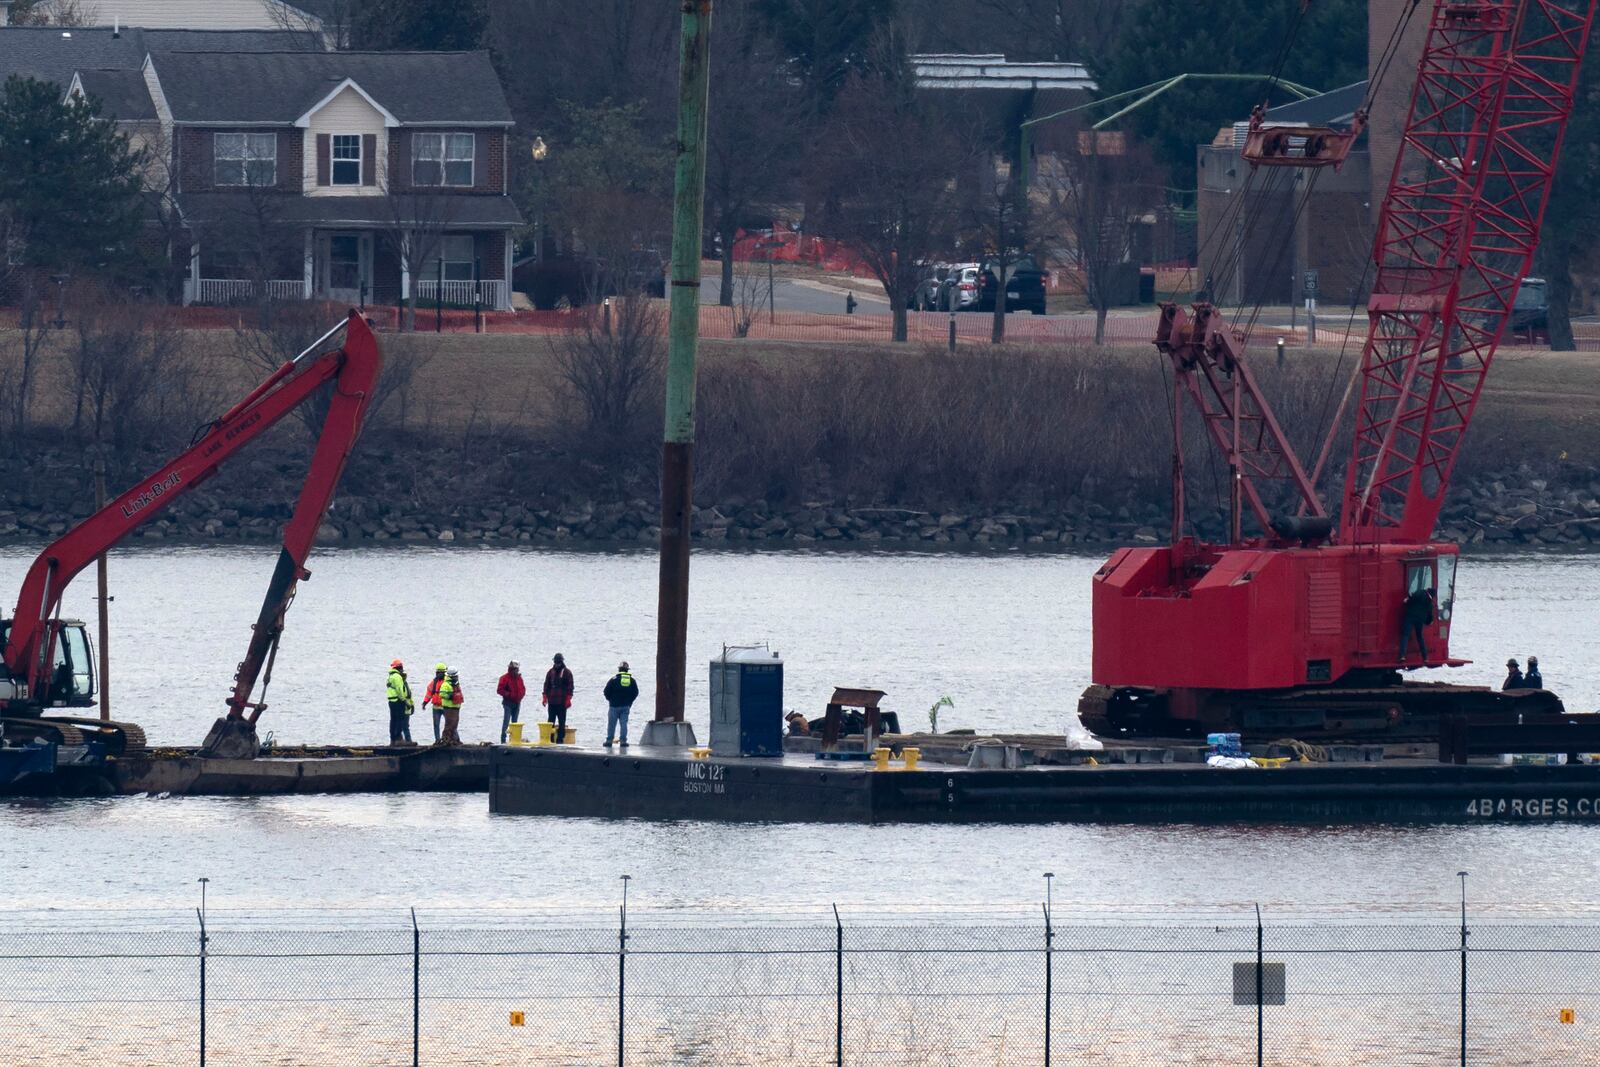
<point>620,694</point>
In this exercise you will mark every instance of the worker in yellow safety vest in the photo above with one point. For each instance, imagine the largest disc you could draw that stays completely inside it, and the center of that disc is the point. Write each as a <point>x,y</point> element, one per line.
<point>450,700</point>
<point>401,705</point>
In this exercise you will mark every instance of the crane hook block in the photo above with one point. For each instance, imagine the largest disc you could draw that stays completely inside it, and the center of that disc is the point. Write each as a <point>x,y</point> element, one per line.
<point>1299,144</point>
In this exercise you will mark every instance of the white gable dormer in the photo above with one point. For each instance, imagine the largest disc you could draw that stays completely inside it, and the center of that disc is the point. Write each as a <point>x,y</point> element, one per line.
<point>356,125</point>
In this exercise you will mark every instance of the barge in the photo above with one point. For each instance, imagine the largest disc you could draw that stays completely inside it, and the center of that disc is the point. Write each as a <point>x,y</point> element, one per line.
<point>675,783</point>
<point>326,769</point>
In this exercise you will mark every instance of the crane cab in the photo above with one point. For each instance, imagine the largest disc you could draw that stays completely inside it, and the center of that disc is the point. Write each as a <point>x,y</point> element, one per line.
<point>70,682</point>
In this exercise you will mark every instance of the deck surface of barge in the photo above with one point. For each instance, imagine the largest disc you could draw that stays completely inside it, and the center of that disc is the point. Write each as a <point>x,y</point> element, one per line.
<point>668,783</point>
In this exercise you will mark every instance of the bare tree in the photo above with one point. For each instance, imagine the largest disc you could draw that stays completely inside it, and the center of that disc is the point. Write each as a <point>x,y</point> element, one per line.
<point>754,131</point>
<point>26,350</point>
<point>419,219</point>
<point>67,13</point>
<point>752,291</point>
<point>998,221</point>
<point>333,19</point>
<point>612,362</point>
<point>888,170</point>
<point>257,244</point>
<point>123,356</point>
<point>1099,187</point>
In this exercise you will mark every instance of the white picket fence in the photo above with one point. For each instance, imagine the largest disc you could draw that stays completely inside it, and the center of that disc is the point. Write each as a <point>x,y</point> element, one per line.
<point>462,294</point>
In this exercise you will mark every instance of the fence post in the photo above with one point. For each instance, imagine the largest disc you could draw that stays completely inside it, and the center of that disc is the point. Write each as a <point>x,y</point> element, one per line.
<point>1049,980</point>
<point>838,989</point>
<point>622,969</point>
<point>416,991</point>
<point>1261,989</point>
<point>1463,876</point>
<point>201,916</point>
<point>438,299</point>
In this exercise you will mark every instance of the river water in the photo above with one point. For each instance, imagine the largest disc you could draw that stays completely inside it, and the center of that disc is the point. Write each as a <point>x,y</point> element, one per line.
<point>1004,635</point>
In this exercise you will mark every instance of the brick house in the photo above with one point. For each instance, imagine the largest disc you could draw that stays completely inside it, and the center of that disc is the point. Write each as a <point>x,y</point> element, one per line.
<point>360,177</point>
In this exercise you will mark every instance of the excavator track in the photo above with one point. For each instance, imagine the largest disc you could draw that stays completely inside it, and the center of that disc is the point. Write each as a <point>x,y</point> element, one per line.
<point>1406,712</point>
<point>120,738</point>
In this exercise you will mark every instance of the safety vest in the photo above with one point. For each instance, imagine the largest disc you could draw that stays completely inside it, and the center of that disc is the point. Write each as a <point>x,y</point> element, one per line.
<point>450,697</point>
<point>625,679</point>
<point>399,689</point>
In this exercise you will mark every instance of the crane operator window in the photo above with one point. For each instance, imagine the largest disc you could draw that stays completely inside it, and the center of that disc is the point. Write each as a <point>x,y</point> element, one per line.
<point>72,676</point>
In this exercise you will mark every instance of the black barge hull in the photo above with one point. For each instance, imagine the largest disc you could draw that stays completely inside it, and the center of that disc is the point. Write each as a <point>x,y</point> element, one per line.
<point>670,784</point>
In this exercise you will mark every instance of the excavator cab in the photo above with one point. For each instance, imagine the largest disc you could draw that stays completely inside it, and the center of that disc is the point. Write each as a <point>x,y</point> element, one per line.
<point>71,681</point>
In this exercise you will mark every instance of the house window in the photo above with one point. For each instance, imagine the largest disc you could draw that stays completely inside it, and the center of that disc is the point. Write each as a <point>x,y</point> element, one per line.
<point>456,252</point>
<point>246,159</point>
<point>346,159</point>
<point>442,159</point>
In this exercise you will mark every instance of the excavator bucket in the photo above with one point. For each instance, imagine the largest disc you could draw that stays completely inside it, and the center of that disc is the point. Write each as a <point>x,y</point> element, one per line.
<point>232,739</point>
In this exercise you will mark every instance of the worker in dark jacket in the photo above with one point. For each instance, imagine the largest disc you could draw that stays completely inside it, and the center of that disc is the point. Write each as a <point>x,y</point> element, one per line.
<point>1533,679</point>
<point>511,689</point>
<point>1514,678</point>
<point>557,697</point>
<point>1416,613</point>
<point>620,693</point>
<point>400,704</point>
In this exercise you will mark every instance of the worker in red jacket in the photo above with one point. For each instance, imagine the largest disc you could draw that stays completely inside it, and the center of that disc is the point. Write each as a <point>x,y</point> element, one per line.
<point>557,696</point>
<point>511,689</point>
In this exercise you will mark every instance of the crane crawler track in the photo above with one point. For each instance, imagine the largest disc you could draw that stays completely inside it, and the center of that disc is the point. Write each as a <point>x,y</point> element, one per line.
<point>1407,712</point>
<point>119,738</point>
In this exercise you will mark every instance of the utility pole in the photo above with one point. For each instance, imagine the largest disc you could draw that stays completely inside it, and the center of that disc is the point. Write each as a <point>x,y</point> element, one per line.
<point>677,446</point>
<point>102,597</point>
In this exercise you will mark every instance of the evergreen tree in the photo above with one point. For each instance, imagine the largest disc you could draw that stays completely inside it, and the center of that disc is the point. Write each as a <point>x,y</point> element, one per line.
<point>1161,38</point>
<point>1572,217</point>
<point>827,40</point>
<point>419,25</point>
<point>69,184</point>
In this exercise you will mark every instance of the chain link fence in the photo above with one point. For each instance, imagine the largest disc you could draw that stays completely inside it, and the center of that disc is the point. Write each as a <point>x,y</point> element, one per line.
<point>832,992</point>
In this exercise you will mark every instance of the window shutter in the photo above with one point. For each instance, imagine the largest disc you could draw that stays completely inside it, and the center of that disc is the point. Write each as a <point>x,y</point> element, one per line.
<point>399,161</point>
<point>480,161</point>
<point>369,159</point>
<point>324,159</point>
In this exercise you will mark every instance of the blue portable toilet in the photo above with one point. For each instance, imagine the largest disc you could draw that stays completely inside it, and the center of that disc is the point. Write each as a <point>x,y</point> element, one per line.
<point>747,702</point>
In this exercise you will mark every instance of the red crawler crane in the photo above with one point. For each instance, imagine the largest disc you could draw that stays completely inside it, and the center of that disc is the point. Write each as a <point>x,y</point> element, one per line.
<point>1298,628</point>
<point>47,660</point>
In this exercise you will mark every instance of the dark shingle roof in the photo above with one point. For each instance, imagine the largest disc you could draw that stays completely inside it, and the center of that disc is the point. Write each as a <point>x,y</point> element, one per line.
<point>416,87</point>
<point>52,54</point>
<point>464,211</point>
<point>123,94</point>
<point>231,41</point>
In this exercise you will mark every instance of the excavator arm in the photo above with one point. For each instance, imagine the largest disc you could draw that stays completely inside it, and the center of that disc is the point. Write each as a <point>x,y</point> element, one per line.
<point>353,369</point>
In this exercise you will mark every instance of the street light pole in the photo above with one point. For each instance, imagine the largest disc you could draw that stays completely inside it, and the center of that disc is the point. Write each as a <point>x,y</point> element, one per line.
<point>677,448</point>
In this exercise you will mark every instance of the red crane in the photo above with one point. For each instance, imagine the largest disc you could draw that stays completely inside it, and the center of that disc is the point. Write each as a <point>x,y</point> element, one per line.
<point>1298,628</point>
<point>47,660</point>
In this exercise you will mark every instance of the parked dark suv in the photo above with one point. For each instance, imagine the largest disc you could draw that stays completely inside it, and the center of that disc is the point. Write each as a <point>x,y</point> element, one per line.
<point>1024,285</point>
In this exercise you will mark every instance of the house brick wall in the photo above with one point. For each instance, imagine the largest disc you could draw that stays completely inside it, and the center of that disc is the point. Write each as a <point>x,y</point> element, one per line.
<point>491,252</point>
<point>195,158</point>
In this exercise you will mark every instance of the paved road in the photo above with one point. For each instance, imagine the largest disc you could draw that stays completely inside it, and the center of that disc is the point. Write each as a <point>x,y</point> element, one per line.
<point>791,294</point>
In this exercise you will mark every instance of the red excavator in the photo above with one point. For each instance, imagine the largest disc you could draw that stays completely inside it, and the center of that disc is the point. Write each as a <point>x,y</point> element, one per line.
<point>1296,628</point>
<point>47,659</point>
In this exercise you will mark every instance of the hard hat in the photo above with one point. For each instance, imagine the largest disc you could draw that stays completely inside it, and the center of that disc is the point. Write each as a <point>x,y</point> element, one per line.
<point>396,663</point>
<point>1511,663</point>
<point>452,674</point>
<point>1533,661</point>
<point>515,665</point>
<point>622,666</point>
<point>438,666</point>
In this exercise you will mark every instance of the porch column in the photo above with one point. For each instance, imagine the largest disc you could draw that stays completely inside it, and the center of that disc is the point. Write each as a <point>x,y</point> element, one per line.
<point>505,298</point>
<point>405,267</point>
<point>192,288</point>
<point>310,264</point>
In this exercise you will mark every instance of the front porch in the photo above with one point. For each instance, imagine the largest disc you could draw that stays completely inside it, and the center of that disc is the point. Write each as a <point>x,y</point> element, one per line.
<point>358,268</point>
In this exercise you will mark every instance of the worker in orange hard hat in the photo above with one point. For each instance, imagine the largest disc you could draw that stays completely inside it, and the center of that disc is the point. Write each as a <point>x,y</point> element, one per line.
<point>400,704</point>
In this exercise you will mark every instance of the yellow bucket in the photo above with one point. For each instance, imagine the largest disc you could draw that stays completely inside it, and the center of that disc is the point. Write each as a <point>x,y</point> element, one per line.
<point>547,732</point>
<point>912,756</point>
<point>514,733</point>
<point>880,757</point>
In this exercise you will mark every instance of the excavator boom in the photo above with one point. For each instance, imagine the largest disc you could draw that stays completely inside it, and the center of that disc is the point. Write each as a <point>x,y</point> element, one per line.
<point>353,369</point>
